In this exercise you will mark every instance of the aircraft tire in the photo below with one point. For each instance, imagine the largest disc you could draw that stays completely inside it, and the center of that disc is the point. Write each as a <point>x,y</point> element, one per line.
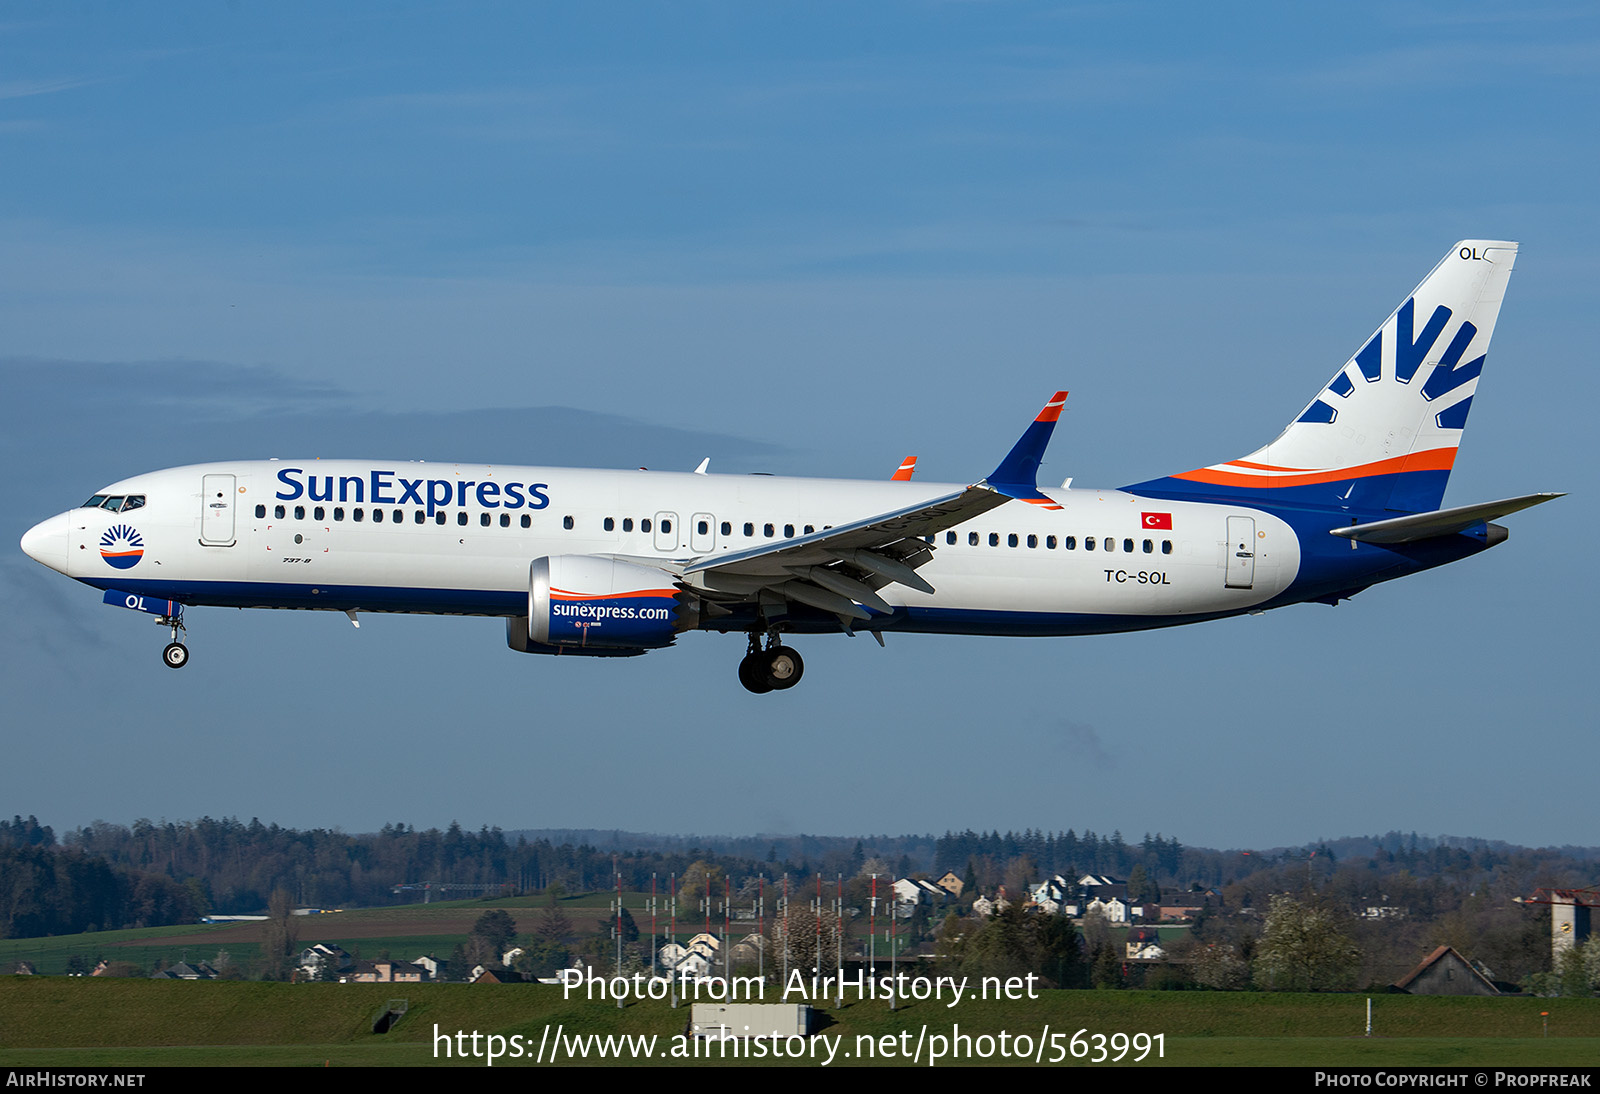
<point>783,667</point>
<point>176,655</point>
<point>753,674</point>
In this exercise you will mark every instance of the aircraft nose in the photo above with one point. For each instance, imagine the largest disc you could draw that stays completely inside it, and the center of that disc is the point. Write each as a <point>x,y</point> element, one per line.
<point>47,542</point>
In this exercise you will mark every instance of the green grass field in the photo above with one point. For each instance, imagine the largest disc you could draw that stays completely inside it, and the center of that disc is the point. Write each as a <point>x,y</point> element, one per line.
<point>56,1020</point>
<point>131,1023</point>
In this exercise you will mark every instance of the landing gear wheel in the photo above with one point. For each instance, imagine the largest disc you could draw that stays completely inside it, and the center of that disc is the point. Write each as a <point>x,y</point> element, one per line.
<point>176,655</point>
<point>753,674</point>
<point>783,667</point>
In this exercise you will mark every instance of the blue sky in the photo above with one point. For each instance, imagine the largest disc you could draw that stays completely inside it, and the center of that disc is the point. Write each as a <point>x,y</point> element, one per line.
<point>801,239</point>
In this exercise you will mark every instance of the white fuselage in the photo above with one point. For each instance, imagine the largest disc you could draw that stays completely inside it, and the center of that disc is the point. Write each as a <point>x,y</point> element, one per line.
<point>459,538</point>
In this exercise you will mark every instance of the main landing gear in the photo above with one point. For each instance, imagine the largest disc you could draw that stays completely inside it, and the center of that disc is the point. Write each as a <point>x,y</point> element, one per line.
<point>176,655</point>
<point>775,668</point>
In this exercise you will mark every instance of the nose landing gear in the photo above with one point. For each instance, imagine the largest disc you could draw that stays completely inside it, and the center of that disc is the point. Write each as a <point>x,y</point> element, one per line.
<point>775,668</point>
<point>176,655</point>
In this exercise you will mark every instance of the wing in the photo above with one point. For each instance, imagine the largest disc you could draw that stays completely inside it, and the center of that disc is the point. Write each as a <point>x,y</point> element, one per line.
<point>841,569</point>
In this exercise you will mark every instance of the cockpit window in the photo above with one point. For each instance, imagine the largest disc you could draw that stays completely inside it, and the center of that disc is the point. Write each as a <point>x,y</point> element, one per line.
<point>116,503</point>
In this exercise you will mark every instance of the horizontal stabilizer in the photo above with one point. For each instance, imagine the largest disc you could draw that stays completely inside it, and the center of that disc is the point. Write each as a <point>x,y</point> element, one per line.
<point>1442,522</point>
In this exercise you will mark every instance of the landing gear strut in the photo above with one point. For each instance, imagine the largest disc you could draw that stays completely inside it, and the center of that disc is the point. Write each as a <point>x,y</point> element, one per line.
<point>775,668</point>
<point>176,655</point>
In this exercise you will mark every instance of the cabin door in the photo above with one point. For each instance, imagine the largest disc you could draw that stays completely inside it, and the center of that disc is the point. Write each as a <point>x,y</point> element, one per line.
<point>216,510</point>
<point>1240,553</point>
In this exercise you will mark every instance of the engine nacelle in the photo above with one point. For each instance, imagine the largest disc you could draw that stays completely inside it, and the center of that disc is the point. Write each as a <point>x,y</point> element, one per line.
<point>600,605</point>
<point>517,638</point>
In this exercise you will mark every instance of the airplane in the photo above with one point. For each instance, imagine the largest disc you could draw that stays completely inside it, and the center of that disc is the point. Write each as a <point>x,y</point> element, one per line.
<point>608,563</point>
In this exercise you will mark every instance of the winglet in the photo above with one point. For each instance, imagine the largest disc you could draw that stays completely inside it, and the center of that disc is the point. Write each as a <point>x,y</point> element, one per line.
<point>908,467</point>
<point>1018,474</point>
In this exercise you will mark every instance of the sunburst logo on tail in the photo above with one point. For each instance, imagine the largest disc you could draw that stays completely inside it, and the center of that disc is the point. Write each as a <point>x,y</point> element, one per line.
<point>122,546</point>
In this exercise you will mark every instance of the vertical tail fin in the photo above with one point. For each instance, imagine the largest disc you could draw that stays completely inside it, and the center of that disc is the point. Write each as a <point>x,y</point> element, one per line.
<point>1383,433</point>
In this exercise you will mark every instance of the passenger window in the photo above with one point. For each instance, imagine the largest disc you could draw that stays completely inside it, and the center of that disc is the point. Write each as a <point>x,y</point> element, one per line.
<point>1011,540</point>
<point>994,539</point>
<point>358,515</point>
<point>338,512</point>
<point>1166,546</point>
<point>1070,543</point>
<point>666,526</point>
<point>461,518</point>
<point>611,524</point>
<point>566,522</point>
<point>1149,547</point>
<point>420,517</point>
<point>440,517</point>
<point>483,520</point>
<point>505,520</point>
<point>949,538</point>
<point>768,531</point>
<point>400,516</point>
<point>702,527</point>
<point>1110,544</point>
<point>644,524</point>
<point>319,513</point>
<point>972,539</point>
<point>810,528</point>
<point>727,528</point>
<point>627,524</point>
<point>299,512</point>
<point>788,531</point>
<point>377,516</point>
<point>261,511</point>
<point>1050,543</point>
<point>1088,543</point>
<point>1127,546</point>
<point>749,529</point>
<point>1033,541</point>
<point>527,520</point>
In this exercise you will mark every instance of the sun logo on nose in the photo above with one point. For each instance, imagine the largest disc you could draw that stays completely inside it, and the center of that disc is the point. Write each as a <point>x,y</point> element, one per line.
<point>121,546</point>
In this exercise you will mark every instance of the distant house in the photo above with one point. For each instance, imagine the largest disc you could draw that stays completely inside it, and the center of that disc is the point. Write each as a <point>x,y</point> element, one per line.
<point>695,958</point>
<point>748,949</point>
<point>951,884</point>
<point>1144,944</point>
<point>485,975</point>
<point>1057,890</point>
<point>911,893</point>
<point>694,966</point>
<point>1103,885</point>
<point>183,970</point>
<point>668,956</point>
<point>384,972</point>
<point>1114,909</point>
<point>322,959</point>
<point>705,944</point>
<point>1446,972</point>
